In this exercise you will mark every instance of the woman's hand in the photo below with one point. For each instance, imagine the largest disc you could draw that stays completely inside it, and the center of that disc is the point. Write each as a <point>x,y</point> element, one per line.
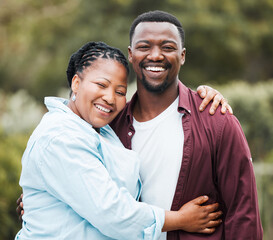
<point>209,94</point>
<point>198,218</point>
<point>193,217</point>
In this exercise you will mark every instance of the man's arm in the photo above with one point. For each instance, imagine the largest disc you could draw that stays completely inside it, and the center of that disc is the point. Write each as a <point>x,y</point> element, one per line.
<point>236,183</point>
<point>20,207</point>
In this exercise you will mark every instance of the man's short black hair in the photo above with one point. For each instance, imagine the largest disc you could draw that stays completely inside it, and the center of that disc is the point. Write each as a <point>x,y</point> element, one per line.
<point>158,16</point>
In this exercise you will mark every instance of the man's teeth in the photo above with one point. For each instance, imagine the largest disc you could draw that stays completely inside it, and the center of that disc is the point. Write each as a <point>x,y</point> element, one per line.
<point>102,108</point>
<point>155,69</point>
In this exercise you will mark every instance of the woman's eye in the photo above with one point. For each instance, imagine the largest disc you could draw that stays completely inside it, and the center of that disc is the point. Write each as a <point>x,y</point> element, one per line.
<point>101,85</point>
<point>121,93</point>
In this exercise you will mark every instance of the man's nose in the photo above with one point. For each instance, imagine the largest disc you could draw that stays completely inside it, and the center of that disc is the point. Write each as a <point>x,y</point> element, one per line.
<point>155,54</point>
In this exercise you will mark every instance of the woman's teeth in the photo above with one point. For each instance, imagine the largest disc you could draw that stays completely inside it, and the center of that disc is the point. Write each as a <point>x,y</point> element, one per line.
<point>102,108</point>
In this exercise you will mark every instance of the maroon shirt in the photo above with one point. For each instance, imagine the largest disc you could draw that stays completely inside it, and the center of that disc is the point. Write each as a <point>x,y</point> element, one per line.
<point>216,162</point>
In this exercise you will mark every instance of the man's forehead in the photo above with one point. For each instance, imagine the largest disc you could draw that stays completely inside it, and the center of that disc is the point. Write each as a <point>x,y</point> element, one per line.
<point>150,26</point>
<point>156,29</point>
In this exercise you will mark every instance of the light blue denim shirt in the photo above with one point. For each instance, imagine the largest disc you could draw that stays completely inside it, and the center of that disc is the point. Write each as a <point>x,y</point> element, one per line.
<point>79,185</point>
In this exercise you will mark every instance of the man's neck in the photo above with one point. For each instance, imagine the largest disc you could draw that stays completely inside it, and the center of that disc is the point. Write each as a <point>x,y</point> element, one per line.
<point>149,104</point>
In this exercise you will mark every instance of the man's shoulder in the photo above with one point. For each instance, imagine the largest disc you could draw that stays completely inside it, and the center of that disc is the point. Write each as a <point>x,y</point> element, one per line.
<point>120,119</point>
<point>218,119</point>
<point>123,113</point>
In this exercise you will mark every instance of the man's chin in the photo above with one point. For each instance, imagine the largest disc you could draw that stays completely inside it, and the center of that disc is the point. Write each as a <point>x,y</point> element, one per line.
<point>156,88</point>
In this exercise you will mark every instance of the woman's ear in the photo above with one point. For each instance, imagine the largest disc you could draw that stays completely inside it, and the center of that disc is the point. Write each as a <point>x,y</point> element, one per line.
<point>75,83</point>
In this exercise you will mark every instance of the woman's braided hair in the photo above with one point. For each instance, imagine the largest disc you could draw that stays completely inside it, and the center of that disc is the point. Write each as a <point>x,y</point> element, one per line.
<point>89,53</point>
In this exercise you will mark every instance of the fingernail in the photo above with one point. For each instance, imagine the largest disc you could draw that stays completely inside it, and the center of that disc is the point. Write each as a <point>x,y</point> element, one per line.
<point>202,94</point>
<point>211,111</point>
<point>201,108</point>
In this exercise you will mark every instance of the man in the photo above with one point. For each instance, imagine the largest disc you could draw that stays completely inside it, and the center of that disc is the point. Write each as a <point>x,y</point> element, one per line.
<point>185,153</point>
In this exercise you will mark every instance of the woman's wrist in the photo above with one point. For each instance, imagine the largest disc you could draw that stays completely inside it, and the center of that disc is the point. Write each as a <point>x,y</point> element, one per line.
<point>173,221</point>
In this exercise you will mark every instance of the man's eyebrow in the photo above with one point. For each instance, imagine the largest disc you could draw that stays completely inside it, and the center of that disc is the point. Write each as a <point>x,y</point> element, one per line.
<point>163,42</point>
<point>169,41</point>
<point>142,41</point>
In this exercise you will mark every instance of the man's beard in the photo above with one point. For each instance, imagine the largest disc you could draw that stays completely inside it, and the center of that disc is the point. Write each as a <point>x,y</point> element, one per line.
<point>154,88</point>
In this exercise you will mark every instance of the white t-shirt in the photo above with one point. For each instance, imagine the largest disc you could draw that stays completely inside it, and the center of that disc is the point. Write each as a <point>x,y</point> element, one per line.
<point>159,143</point>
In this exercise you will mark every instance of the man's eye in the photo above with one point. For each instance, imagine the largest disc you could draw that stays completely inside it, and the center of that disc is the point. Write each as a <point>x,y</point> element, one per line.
<point>144,47</point>
<point>168,48</point>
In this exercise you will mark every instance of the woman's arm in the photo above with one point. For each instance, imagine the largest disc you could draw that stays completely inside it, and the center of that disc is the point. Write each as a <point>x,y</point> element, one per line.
<point>210,94</point>
<point>192,217</point>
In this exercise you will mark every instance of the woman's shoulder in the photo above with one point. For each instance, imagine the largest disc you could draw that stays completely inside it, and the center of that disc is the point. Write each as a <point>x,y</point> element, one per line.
<point>60,126</point>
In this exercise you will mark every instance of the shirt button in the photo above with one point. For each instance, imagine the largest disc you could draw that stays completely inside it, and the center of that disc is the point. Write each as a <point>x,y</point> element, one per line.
<point>130,134</point>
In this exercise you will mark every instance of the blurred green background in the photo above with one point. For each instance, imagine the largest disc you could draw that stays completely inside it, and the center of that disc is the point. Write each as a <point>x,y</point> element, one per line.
<point>229,46</point>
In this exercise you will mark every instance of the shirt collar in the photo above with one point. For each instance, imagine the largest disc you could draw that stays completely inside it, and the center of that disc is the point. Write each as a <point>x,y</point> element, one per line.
<point>53,103</point>
<point>131,104</point>
<point>184,103</point>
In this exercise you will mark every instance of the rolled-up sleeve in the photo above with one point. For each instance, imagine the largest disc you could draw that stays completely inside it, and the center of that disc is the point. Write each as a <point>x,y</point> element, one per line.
<point>73,171</point>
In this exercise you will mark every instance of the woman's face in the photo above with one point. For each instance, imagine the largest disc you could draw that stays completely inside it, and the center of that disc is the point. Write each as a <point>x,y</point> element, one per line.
<point>100,92</point>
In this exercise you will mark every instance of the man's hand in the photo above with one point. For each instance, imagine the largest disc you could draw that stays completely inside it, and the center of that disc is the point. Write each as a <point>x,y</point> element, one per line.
<point>20,209</point>
<point>210,94</point>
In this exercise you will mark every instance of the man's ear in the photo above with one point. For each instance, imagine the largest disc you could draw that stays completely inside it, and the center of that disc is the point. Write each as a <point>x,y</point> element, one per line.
<point>129,54</point>
<point>75,83</point>
<point>183,56</point>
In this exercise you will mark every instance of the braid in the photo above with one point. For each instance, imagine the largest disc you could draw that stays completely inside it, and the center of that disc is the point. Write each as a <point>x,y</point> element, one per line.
<point>89,53</point>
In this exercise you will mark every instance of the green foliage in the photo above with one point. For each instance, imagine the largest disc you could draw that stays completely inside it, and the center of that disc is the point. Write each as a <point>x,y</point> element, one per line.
<point>253,106</point>
<point>264,179</point>
<point>225,40</point>
<point>11,149</point>
<point>19,112</point>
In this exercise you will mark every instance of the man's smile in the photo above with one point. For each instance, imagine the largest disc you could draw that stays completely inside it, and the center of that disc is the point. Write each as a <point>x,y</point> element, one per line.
<point>155,69</point>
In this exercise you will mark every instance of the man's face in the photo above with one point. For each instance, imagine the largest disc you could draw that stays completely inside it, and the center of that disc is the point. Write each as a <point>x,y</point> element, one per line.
<point>156,54</point>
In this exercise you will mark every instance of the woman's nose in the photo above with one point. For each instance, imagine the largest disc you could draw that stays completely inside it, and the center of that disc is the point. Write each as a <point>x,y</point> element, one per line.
<point>109,96</point>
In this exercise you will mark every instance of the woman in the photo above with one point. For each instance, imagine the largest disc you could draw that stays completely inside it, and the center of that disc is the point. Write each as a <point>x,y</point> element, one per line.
<point>78,180</point>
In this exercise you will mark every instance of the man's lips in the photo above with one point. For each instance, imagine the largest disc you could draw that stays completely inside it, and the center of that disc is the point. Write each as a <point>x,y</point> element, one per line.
<point>155,69</point>
<point>154,72</point>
